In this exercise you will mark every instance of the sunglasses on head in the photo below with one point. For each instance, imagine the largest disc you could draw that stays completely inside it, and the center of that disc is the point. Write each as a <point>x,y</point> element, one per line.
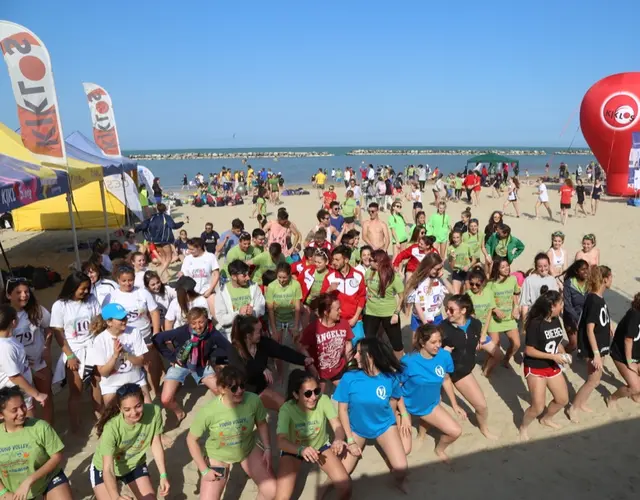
<point>15,281</point>
<point>234,388</point>
<point>309,393</point>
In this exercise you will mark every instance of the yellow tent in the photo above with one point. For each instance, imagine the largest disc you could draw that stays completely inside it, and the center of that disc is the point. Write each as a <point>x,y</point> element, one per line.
<point>53,213</point>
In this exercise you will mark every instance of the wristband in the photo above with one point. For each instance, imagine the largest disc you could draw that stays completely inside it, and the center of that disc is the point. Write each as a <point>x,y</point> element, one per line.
<point>205,472</point>
<point>630,361</point>
<point>405,414</point>
<point>596,352</point>
<point>300,449</point>
<point>350,440</point>
<point>163,475</point>
<point>71,356</point>
<point>4,492</point>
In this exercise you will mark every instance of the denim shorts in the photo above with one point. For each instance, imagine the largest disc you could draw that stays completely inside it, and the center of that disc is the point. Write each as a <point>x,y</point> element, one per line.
<point>180,373</point>
<point>416,323</point>
<point>141,470</point>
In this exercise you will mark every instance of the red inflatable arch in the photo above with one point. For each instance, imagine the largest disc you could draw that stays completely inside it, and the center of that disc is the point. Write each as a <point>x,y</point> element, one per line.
<point>608,118</point>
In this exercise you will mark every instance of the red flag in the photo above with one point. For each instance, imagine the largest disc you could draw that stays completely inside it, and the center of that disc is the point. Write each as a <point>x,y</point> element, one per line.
<point>103,119</point>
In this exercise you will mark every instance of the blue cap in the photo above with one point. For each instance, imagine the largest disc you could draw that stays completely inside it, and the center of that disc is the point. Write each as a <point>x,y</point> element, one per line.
<point>113,311</point>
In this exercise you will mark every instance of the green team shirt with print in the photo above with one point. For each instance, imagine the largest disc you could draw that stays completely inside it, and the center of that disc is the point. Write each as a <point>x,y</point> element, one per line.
<point>283,298</point>
<point>240,296</point>
<point>23,452</point>
<point>237,254</point>
<point>349,207</point>
<point>264,262</point>
<point>230,430</point>
<point>382,307</point>
<point>461,256</point>
<point>482,303</point>
<point>306,428</point>
<point>128,443</point>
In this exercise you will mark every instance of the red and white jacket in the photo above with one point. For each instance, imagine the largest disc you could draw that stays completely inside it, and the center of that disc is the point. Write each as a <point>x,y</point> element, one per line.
<point>351,290</point>
<point>306,278</point>
<point>414,255</point>
<point>326,245</point>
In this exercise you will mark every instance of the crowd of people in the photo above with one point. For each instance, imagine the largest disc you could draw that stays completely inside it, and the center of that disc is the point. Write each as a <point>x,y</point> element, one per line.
<point>319,311</point>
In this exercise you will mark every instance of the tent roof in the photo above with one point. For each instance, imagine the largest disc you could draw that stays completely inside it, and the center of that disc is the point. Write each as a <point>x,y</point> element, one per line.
<point>492,158</point>
<point>22,183</point>
<point>81,147</point>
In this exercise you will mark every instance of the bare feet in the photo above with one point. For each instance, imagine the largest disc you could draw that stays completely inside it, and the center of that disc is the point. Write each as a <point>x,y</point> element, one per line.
<point>524,434</point>
<point>442,456</point>
<point>550,423</point>
<point>489,435</point>
<point>612,404</point>
<point>572,414</point>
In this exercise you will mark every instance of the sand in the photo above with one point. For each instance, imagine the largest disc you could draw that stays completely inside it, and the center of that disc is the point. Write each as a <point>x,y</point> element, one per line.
<point>594,459</point>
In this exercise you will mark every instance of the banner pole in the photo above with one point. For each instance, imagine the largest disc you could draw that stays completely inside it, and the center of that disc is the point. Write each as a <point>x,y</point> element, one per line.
<point>104,209</point>
<point>73,228</point>
<point>126,203</point>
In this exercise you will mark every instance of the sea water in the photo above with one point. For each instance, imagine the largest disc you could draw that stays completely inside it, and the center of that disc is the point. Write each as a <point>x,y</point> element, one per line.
<point>299,170</point>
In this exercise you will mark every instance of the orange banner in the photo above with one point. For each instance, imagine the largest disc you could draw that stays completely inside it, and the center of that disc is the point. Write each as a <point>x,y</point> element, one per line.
<point>34,90</point>
<point>103,119</point>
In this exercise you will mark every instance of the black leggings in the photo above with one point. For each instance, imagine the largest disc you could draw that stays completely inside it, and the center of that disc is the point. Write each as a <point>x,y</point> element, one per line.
<point>371,325</point>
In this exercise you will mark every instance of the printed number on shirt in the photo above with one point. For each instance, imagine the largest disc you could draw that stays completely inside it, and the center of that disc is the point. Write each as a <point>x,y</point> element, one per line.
<point>604,316</point>
<point>25,338</point>
<point>124,365</point>
<point>81,327</point>
<point>551,347</point>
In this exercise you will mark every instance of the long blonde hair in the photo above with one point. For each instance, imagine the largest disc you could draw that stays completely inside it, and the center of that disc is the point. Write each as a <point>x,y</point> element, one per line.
<point>597,275</point>
<point>429,261</point>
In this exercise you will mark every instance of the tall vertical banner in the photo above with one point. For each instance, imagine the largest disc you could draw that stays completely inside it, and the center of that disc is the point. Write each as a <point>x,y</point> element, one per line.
<point>103,119</point>
<point>34,90</point>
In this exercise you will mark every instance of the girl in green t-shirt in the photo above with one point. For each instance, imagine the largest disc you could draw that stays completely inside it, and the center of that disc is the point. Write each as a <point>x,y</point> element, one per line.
<point>30,453</point>
<point>506,292</point>
<point>302,436</point>
<point>230,421</point>
<point>484,305</point>
<point>127,429</point>
<point>350,211</point>
<point>260,210</point>
<point>439,226</point>
<point>460,260</point>
<point>397,228</point>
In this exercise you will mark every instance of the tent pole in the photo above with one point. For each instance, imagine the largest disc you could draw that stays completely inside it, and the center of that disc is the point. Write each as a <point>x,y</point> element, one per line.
<point>104,209</point>
<point>126,203</point>
<point>73,228</point>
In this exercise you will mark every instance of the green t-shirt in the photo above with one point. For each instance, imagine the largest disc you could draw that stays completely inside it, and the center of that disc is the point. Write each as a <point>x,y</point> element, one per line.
<point>438,226</point>
<point>354,260</point>
<point>382,307</point>
<point>274,183</point>
<point>503,293</point>
<point>349,208</point>
<point>231,434</point>
<point>262,206</point>
<point>318,278</point>
<point>264,262</point>
<point>502,247</point>
<point>240,295</point>
<point>25,451</point>
<point>399,226</point>
<point>482,303</point>
<point>128,444</point>
<point>283,298</point>
<point>457,183</point>
<point>255,250</point>
<point>461,256</point>
<point>237,254</point>
<point>475,242</point>
<point>306,428</point>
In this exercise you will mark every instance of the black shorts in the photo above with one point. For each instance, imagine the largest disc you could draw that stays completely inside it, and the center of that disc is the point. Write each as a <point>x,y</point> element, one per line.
<point>57,480</point>
<point>460,373</point>
<point>141,470</point>
<point>324,447</point>
<point>596,197</point>
<point>459,275</point>
<point>417,204</point>
<point>349,220</point>
<point>371,325</point>
<point>565,205</point>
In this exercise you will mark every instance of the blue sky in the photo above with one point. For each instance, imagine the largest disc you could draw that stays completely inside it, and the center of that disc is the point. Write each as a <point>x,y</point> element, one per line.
<point>311,73</point>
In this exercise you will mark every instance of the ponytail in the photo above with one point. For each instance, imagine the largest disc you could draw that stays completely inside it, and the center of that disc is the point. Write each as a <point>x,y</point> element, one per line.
<point>97,325</point>
<point>597,275</point>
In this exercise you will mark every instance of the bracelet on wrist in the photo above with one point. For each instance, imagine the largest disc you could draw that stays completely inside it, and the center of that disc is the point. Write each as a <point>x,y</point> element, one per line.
<point>630,361</point>
<point>596,352</point>
<point>163,475</point>
<point>350,440</point>
<point>405,414</point>
<point>205,472</point>
<point>300,450</point>
<point>71,356</point>
<point>4,492</point>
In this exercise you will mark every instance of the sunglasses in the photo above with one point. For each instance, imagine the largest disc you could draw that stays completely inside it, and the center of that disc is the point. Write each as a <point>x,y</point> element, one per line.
<point>236,387</point>
<point>16,282</point>
<point>372,211</point>
<point>474,284</point>
<point>309,393</point>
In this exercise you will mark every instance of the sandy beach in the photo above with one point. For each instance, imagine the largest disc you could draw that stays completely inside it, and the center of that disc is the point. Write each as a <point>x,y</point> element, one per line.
<point>591,460</point>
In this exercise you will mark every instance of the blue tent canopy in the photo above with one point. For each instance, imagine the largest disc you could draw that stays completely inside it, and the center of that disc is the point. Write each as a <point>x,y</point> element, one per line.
<point>22,183</point>
<point>82,148</point>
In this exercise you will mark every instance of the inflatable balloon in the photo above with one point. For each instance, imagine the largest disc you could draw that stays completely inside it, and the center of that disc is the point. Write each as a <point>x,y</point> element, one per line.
<point>609,121</point>
<point>241,190</point>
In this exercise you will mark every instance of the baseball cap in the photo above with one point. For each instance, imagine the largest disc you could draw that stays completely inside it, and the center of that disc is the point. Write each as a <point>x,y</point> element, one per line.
<point>113,311</point>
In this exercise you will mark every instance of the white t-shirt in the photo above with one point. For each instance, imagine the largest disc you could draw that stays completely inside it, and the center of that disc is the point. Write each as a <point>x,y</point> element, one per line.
<point>124,372</point>
<point>138,303</point>
<point>357,192</point>
<point>164,301</point>
<point>101,288</point>
<point>347,175</point>
<point>430,301</point>
<point>416,196</point>
<point>106,262</point>
<point>138,280</point>
<point>32,337</point>
<point>200,269</point>
<point>174,313</point>
<point>132,247</point>
<point>13,361</point>
<point>543,195</point>
<point>74,317</point>
<point>422,174</point>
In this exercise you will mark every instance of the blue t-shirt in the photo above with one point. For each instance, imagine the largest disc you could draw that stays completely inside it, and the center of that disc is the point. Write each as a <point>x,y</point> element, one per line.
<point>370,412</point>
<point>338,222</point>
<point>231,242</point>
<point>422,380</point>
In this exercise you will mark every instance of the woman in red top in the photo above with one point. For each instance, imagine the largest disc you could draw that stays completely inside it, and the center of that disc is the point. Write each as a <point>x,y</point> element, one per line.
<point>566,192</point>
<point>328,339</point>
<point>414,254</point>
<point>477,187</point>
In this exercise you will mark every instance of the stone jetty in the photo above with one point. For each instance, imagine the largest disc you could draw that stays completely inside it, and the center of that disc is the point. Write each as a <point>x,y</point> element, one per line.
<point>462,152</point>
<point>248,155</point>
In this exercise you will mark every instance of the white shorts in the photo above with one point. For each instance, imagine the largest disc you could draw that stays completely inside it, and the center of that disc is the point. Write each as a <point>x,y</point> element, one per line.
<point>109,385</point>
